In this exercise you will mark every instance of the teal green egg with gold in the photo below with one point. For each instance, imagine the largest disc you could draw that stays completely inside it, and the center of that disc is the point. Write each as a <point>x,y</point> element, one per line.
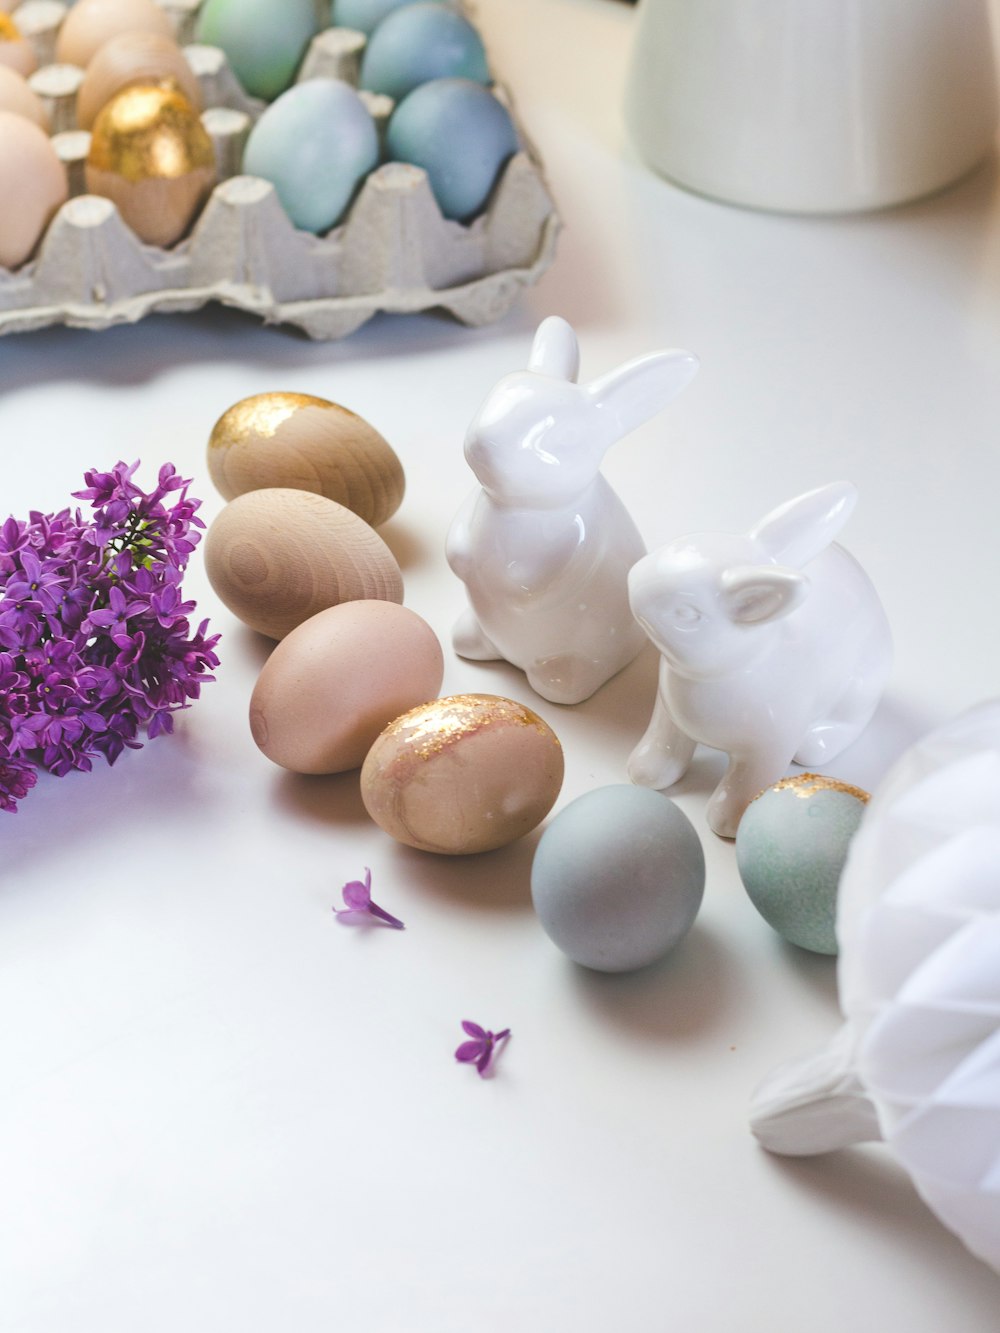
<point>791,847</point>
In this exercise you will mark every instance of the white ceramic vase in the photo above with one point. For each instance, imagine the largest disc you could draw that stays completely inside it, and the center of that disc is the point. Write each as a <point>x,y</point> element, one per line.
<point>813,106</point>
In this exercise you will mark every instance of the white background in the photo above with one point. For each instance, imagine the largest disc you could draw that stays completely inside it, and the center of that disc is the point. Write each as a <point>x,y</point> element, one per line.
<point>218,1108</point>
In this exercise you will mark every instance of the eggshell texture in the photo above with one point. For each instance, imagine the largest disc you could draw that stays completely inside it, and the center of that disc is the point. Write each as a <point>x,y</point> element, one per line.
<point>315,145</point>
<point>363,15</point>
<point>618,878</point>
<point>264,41</point>
<point>791,846</point>
<point>91,23</point>
<point>277,557</point>
<point>133,57</point>
<point>463,774</point>
<point>420,42</point>
<point>308,444</point>
<point>15,52</point>
<point>461,136</point>
<point>337,680</point>
<point>17,96</point>
<point>31,174</point>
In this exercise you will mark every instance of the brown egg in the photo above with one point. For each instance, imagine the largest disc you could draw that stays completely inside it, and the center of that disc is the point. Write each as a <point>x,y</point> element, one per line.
<point>336,680</point>
<point>15,52</point>
<point>310,444</point>
<point>17,96</point>
<point>133,57</point>
<point>31,174</point>
<point>91,23</point>
<point>277,557</point>
<point>462,774</point>
<point>150,155</point>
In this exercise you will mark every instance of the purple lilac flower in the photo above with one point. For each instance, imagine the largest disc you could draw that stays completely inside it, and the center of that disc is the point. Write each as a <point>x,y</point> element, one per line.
<point>96,645</point>
<point>484,1047</point>
<point>360,908</point>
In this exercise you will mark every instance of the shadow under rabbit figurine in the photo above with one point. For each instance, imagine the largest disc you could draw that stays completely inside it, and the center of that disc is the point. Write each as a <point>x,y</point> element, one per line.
<point>774,644</point>
<point>545,546</point>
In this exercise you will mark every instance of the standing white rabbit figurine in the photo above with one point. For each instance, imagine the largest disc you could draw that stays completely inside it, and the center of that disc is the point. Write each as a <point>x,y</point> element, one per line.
<point>774,648</point>
<point>544,548</point>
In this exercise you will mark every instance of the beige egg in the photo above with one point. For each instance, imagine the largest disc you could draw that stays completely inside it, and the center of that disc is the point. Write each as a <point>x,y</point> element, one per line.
<point>15,52</point>
<point>16,95</point>
<point>91,23</point>
<point>133,57</point>
<point>336,680</point>
<point>277,557</point>
<point>462,774</point>
<point>310,444</point>
<point>31,174</point>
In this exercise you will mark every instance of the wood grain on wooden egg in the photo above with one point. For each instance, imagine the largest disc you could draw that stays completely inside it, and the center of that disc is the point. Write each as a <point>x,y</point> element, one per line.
<point>133,57</point>
<point>91,23</point>
<point>463,774</point>
<point>309,444</point>
<point>276,557</point>
<point>338,679</point>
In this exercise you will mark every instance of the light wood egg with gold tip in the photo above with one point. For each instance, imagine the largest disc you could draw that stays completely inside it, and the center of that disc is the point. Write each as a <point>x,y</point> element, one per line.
<point>309,444</point>
<point>276,557</point>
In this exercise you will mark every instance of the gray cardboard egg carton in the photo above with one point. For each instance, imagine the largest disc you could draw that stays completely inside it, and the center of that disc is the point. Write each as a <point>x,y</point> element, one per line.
<point>394,251</point>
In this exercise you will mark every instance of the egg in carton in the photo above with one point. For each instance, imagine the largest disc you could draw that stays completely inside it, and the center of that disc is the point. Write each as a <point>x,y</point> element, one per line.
<point>393,251</point>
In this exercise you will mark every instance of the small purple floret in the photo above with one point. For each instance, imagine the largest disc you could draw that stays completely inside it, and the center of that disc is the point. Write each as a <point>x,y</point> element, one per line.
<point>484,1047</point>
<point>359,907</point>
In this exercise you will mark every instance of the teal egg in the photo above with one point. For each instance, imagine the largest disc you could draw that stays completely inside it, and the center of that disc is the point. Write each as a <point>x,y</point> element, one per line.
<point>461,136</point>
<point>791,846</point>
<point>618,878</point>
<point>420,42</point>
<point>315,144</point>
<point>264,42</point>
<point>363,15</point>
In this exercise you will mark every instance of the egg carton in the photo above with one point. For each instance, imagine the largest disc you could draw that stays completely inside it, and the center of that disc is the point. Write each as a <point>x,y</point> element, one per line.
<point>394,251</point>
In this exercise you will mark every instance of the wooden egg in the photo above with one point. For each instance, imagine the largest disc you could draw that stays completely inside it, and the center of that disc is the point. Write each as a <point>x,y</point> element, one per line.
<point>91,23</point>
<point>309,444</point>
<point>276,557</point>
<point>133,57</point>
<point>463,774</point>
<point>16,95</point>
<point>15,52</point>
<point>336,680</point>
<point>150,155</point>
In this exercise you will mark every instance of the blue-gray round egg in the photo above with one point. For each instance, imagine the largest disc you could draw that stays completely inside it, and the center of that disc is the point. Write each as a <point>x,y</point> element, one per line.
<point>264,42</point>
<point>791,847</point>
<point>363,15</point>
<point>315,144</point>
<point>618,878</point>
<point>461,136</point>
<point>420,42</point>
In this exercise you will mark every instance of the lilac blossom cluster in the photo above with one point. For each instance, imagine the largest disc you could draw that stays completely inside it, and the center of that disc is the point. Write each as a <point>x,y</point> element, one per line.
<point>95,641</point>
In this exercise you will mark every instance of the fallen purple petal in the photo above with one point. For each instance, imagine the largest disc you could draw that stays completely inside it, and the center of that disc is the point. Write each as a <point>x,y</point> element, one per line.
<point>484,1048</point>
<point>359,908</point>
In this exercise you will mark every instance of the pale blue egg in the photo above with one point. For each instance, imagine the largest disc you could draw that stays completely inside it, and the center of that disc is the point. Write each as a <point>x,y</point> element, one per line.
<point>461,136</point>
<point>791,847</point>
<point>315,144</point>
<point>364,15</point>
<point>618,878</point>
<point>264,42</point>
<point>420,42</point>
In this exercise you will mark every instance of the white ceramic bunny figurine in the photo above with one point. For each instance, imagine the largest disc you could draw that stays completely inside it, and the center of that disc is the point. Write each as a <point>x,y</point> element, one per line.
<point>544,548</point>
<point>774,648</point>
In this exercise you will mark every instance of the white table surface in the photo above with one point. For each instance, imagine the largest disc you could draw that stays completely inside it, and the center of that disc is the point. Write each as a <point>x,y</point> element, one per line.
<point>221,1110</point>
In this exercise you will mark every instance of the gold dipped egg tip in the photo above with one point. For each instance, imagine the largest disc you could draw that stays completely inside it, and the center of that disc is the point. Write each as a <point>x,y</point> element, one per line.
<point>9,31</point>
<point>150,131</point>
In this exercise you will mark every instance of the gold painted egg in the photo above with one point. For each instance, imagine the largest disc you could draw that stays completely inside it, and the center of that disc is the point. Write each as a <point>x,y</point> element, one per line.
<point>33,184</point>
<point>276,557</point>
<point>467,773</point>
<point>91,23</point>
<point>133,57</point>
<point>336,680</point>
<point>15,52</point>
<point>150,155</point>
<point>309,444</point>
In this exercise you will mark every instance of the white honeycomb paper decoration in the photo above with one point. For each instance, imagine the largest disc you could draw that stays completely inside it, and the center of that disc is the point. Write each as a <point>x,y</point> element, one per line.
<point>917,1061</point>
<point>394,251</point>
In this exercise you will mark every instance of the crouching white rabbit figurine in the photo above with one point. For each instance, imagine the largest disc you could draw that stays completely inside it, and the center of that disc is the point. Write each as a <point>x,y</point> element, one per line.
<point>774,648</point>
<point>544,548</point>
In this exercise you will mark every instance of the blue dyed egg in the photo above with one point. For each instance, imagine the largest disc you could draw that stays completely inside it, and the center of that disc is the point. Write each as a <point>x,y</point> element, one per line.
<point>461,136</point>
<point>363,15</point>
<point>264,42</point>
<point>315,144</point>
<point>618,878</point>
<point>420,42</point>
<point>791,847</point>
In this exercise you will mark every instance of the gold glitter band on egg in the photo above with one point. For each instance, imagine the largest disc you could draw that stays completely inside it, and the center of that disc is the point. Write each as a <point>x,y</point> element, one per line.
<point>432,727</point>
<point>804,785</point>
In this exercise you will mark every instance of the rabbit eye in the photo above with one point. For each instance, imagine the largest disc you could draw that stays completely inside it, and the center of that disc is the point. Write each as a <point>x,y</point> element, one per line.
<point>686,614</point>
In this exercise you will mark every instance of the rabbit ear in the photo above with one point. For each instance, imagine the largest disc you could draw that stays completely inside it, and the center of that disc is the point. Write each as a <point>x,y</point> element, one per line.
<point>638,390</point>
<point>798,530</point>
<point>753,594</point>
<point>555,351</point>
